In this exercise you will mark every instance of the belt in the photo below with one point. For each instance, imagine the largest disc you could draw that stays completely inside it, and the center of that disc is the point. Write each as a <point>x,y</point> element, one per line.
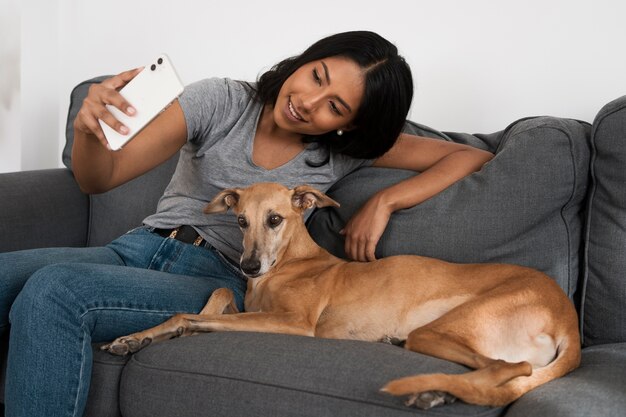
<point>186,234</point>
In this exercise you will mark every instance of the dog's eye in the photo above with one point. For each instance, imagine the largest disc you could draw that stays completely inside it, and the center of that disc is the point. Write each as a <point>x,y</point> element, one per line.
<point>242,222</point>
<point>274,220</point>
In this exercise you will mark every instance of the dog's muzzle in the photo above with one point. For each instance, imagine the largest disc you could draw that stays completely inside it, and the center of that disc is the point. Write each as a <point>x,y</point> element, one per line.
<point>251,267</point>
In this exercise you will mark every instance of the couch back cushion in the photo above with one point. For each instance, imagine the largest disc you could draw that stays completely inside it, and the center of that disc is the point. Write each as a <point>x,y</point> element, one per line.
<point>523,207</point>
<point>604,295</point>
<point>123,208</point>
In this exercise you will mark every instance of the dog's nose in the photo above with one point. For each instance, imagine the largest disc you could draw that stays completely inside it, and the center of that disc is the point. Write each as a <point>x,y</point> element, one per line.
<point>251,266</point>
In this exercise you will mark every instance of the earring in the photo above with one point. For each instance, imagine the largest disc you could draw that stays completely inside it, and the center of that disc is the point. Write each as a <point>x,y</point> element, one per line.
<point>339,132</point>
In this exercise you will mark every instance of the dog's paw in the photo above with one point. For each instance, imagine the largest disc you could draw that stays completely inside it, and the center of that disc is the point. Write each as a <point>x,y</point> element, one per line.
<point>124,345</point>
<point>418,395</point>
<point>430,399</point>
<point>390,340</point>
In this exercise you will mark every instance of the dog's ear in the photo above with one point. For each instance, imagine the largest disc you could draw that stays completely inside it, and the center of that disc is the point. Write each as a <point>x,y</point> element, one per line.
<point>223,201</point>
<point>305,197</point>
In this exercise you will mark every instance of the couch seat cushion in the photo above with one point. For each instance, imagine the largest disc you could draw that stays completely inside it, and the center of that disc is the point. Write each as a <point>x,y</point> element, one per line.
<point>255,374</point>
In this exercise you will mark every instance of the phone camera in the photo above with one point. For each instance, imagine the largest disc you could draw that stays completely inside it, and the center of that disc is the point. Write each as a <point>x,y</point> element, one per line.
<point>153,67</point>
<point>160,61</point>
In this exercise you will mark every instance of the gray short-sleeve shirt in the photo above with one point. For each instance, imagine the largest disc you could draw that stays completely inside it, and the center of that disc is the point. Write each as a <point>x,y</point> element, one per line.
<point>222,117</point>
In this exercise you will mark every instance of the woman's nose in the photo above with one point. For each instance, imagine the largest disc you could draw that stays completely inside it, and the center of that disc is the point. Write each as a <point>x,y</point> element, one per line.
<point>310,102</point>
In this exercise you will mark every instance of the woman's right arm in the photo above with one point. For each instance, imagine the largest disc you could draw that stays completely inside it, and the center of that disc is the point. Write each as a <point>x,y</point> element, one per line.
<point>98,169</point>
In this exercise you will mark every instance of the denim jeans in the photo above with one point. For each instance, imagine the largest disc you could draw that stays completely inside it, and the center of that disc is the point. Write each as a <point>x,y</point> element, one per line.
<point>61,300</point>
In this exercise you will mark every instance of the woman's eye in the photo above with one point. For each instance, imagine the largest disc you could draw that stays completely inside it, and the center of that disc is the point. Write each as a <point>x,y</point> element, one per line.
<point>335,109</point>
<point>242,222</point>
<point>317,77</point>
<point>275,220</point>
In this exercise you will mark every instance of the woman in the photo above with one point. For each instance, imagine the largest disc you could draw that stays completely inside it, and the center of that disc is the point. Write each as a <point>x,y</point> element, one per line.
<point>311,119</point>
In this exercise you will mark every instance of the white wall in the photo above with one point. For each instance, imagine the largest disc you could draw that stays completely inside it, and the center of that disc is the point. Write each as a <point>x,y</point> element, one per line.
<point>10,149</point>
<point>478,65</point>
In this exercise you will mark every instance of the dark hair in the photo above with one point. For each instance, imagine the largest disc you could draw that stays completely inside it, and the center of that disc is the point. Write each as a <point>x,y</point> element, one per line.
<point>386,99</point>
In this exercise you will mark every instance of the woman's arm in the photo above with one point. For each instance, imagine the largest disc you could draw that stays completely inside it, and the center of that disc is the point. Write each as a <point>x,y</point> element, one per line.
<point>440,163</point>
<point>98,169</point>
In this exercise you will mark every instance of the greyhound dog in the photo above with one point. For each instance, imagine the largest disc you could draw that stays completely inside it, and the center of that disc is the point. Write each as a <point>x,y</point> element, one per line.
<point>513,325</point>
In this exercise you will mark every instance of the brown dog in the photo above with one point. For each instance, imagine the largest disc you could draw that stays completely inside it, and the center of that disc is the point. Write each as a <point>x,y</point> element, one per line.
<point>513,325</point>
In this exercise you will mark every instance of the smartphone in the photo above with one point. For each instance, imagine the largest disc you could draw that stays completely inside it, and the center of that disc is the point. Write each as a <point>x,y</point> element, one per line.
<point>150,92</point>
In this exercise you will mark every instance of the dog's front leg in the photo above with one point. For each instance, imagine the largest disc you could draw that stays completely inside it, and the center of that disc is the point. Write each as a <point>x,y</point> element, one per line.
<point>174,327</point>
<point>222,301</point>
<point>264,322</point>
<point>186,324</point>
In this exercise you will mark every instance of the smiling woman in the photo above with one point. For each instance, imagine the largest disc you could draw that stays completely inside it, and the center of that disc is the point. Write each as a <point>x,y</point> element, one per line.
<point>309,106</point>
<point>360,78</point>
<point>306,91</point>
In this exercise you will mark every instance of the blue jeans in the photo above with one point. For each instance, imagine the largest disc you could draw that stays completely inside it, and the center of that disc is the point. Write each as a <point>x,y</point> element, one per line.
<point>61,300</point>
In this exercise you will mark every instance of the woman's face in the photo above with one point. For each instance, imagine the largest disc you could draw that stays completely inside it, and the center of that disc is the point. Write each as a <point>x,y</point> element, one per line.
<point>320,96</point>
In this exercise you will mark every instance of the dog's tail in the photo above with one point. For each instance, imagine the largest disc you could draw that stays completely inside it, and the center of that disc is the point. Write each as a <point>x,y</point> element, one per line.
<point>495,385</point>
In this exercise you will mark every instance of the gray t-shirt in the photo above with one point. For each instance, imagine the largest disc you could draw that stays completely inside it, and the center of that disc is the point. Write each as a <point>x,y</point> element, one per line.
<point>222,117</point>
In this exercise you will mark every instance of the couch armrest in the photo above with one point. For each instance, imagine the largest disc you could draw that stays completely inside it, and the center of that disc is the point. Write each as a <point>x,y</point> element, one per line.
<point>42,208</point>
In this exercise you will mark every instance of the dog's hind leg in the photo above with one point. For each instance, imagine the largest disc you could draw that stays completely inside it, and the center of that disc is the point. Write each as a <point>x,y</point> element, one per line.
<point>455,338</point>
<point>441,343</point>
<point>486,386</point>
<point>432,341</point>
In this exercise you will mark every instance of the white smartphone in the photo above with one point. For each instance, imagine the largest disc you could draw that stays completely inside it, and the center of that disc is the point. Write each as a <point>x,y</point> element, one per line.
<point>150,92</point>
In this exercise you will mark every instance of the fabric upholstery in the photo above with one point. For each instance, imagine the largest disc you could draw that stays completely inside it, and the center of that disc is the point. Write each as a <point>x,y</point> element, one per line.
<point>31,199</point>
<point>523,207</point>
<point>77,96</point>
<point>603,309</point>
<point>104,393</point>
<point>255,374</point>
<point>115,212</point>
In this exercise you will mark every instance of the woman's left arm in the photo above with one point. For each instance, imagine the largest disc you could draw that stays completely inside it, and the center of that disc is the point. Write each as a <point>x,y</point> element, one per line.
<point>440,164</point>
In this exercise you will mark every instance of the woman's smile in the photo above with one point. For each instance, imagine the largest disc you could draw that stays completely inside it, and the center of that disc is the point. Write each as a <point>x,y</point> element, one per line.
<point>292,113</point>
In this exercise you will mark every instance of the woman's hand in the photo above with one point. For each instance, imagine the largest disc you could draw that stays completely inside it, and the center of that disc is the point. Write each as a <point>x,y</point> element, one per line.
<point>95,168</point>
<point>93,108</point>
<point>440,164</point>
<point>365,228</point>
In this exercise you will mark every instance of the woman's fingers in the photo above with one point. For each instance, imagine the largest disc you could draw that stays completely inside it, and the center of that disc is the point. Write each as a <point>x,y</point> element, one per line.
<point>94,106</point>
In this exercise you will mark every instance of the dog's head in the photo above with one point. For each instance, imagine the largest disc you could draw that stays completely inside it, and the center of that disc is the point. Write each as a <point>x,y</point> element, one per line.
<point>268,214</point>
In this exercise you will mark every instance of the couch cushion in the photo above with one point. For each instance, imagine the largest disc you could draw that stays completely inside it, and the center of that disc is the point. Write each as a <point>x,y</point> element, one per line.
<point>106,372</point>
<point>595,389</point>
<point>30,199</point>
<point>115,212</point>
<point>77,96</point>
<point>604,295</point>
<point>523,207</point>
<point>255,374</point>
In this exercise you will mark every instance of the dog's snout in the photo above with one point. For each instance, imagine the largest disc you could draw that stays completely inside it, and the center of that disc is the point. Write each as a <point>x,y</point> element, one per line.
<point>251,266</point>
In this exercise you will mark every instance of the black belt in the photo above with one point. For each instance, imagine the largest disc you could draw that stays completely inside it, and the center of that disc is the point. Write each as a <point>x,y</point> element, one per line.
<point>186,234</point>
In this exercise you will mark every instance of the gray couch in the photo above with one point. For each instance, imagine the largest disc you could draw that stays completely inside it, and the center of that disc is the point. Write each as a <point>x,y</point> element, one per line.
<point>553,198</point>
